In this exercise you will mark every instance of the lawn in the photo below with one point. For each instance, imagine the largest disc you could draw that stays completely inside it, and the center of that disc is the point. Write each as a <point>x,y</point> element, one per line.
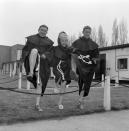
<point>16,107</point>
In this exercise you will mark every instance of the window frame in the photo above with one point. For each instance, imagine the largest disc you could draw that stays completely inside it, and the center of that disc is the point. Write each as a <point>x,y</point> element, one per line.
<point>117,66</point>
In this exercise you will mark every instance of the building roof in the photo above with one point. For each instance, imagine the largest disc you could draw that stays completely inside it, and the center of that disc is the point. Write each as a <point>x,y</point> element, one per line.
<point>114,47</point>
<point>5,46</point>
<point>17,45</point>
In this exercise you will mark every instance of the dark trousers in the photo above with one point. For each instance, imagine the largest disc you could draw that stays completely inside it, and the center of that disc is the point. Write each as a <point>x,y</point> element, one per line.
<point>44,73</point>
<point>84,82</point>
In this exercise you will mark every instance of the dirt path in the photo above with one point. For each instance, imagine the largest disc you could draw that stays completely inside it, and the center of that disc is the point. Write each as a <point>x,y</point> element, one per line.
<point>110,121</point>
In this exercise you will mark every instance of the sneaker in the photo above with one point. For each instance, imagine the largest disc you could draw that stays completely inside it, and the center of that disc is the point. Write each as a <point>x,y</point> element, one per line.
<point>61,107</point>
<point>38,108</point>
<point>81,105</point>
<point>67,86</point>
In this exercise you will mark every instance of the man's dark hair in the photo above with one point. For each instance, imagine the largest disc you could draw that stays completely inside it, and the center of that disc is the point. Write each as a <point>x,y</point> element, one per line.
<point>86,27</point>
<point>43,26</point>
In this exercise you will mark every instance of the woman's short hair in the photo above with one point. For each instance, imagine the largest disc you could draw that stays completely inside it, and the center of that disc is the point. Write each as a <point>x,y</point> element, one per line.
<point>58,39</point>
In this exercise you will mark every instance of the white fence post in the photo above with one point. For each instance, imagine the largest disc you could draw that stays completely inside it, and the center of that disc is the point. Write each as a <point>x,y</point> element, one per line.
<point>4,68</point>
<point>7,68</point>
<point>107,94</point>
<point>10,71</point>
<point>20,76</point>
<point>117,81</point>
<point>23,69</point>
<point>14,69</point>
<point>102,83</point>
<point>28,85</point>
<point>19,80</point>
<point>2,71</point>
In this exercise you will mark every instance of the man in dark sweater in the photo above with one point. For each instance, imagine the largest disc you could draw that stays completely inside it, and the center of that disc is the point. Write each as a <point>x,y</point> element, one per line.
<point>86,62</point>
<point>35,46</point>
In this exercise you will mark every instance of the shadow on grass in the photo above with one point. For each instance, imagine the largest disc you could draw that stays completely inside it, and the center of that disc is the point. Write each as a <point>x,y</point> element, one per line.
<point>57,117</point>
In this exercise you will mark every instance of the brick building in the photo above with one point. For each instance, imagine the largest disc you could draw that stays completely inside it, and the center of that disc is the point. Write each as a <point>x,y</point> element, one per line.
<point>9,55</point>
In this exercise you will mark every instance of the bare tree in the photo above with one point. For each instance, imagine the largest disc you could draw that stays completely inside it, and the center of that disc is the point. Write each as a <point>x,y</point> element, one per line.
<point>123,32</point>
<point>101,37</point>
<point>114,33</point>
<point>72,39</point>
<point>105,40</point>
<point>94,35</point>
<point>79,34</point>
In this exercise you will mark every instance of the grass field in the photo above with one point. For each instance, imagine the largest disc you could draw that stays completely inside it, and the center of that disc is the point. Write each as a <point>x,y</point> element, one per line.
<point>15,107</point>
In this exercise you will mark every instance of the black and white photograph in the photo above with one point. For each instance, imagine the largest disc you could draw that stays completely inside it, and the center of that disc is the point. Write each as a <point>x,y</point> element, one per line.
<point>64,65</point>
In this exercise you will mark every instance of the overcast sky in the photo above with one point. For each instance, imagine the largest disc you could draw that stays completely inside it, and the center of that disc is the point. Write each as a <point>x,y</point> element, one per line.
<point>21,18</point>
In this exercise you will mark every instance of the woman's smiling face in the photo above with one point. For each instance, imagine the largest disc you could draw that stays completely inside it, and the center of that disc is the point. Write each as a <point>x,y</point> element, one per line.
<point>63,39</point>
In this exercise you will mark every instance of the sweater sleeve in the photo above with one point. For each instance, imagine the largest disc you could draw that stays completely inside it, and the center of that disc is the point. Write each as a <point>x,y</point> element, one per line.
<point>50,54</point>
<point>95,53</point>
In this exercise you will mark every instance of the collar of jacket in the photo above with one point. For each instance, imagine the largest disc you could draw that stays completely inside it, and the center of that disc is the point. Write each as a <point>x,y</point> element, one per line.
<point>84,38</point>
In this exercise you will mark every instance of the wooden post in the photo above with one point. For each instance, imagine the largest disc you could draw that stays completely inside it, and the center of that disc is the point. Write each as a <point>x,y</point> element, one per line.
<point>28,85</point>
<point>102,83</point>
<point>116,81</point>
<point>4,69</point>
<point>107,95</point>
<point>10,71</point>
<point>20,76</point>
<point>14,69</point>
<point>7,68</point>
<point>23,69</point>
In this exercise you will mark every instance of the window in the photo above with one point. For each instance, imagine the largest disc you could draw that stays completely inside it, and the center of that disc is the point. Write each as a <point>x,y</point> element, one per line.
<point>122,63</point>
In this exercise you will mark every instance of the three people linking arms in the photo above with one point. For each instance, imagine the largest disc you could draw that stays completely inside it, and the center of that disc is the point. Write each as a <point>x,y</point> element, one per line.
<point>85,49</point>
